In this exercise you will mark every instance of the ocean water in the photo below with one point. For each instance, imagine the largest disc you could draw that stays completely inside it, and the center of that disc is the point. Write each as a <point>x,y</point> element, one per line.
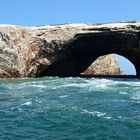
<point>54,108</point>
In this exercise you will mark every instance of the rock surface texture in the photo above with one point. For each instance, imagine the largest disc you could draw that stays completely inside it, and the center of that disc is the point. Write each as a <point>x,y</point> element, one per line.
<point>64,50</point>
<point>104,65</point>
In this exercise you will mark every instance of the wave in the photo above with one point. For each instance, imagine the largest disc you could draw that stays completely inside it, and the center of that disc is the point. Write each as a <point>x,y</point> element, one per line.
<point>94,113</point>
<point>27,103</point>
<point>56,83</point>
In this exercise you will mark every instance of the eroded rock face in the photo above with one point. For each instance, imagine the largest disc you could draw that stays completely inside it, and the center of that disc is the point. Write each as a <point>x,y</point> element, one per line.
<point>64,50</point>
<point>104,65</point>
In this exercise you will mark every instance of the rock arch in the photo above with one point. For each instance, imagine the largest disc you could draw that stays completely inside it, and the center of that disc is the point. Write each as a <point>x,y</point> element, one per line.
<point>85,48</point>
<point>65,50</point>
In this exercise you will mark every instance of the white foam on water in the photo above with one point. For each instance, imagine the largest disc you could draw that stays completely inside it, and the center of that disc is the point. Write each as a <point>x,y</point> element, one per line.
<point>38,86</point>
<point>108,117</point>
<point>94,113</point>
<point>123,92</point>
<point>135,95</point>
<point>125,101</point>
<point>101,86</point>
<point>16,108</point>
<point>90,84</point>
<point>124,118</point>
<point>27,103</point>
<point>63,96</point>
<point>72,85</point>
<point>74,108</point>
<point>128,83</point>
<point>119,117</point>
<point>96,83</point>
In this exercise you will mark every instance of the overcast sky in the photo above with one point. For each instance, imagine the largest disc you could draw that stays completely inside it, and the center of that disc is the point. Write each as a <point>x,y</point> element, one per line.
<point>42,12</point>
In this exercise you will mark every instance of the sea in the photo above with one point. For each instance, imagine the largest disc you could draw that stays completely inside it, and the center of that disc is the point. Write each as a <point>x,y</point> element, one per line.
<point>73,108</point>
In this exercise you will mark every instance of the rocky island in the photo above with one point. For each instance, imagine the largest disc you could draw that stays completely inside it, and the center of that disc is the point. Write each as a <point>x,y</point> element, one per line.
<point>104,65</point>
<point>67,50</point>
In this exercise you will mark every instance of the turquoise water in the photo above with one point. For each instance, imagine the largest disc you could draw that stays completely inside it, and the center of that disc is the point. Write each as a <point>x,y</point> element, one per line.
<point>69,109</point>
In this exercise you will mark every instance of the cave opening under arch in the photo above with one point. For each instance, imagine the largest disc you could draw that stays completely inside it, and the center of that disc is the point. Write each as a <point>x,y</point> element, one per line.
<point>111,65</point>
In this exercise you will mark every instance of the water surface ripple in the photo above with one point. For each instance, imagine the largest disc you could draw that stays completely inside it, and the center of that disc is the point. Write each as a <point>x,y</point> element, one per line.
<point>54,108</point>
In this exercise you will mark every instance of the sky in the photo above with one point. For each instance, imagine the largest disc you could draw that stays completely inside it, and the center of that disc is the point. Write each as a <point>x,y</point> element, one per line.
<point>44,12</point>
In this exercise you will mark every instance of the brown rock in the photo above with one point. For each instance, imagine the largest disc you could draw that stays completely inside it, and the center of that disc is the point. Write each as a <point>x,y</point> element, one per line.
<point>104,65</point>
<point>65,50</point>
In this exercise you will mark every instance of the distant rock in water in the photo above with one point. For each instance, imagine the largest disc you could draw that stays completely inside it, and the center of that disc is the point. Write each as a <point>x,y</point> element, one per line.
<point>104,65</point>
<point>67,50</point>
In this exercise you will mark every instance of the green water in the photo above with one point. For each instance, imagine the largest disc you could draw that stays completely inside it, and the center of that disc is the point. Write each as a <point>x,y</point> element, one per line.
<point>69,109</point>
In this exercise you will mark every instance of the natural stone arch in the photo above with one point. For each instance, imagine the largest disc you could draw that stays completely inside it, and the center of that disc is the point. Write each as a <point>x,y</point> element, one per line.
<point>119,43</point>
<point>85,48</point>
<point>65,50</point>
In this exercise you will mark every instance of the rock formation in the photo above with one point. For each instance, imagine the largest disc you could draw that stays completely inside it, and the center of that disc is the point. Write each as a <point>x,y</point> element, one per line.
<point>104,65</point>
<point>64,50</point>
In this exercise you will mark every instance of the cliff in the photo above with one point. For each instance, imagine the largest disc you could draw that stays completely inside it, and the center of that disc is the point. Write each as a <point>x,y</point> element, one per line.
<point>63,50</point>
